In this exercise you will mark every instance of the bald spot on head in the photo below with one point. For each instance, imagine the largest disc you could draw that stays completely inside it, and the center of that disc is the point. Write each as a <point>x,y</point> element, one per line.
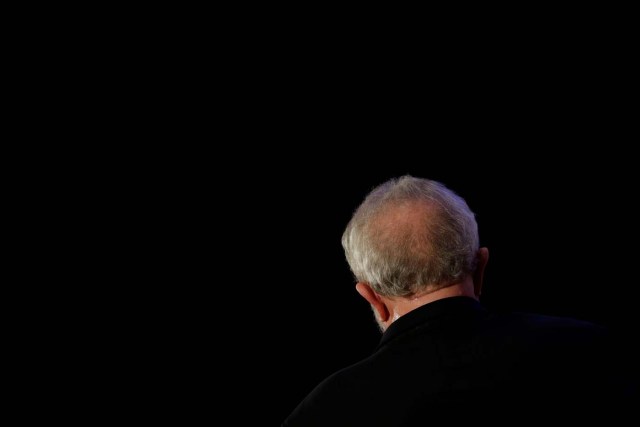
<point>403,219</point>
<point>402,230</point>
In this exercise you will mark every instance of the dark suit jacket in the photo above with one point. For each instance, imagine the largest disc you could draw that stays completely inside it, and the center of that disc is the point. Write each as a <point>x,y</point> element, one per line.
<point>452,360</point>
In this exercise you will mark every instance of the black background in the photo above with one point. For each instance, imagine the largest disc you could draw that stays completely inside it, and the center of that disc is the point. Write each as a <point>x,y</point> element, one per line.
<point>209,201</point>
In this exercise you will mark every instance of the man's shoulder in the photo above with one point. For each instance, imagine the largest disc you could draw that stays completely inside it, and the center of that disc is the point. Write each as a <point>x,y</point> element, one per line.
<point>334,400</point>
<point>557,337</point>
<point>344,379</point>
<point>544,324</point>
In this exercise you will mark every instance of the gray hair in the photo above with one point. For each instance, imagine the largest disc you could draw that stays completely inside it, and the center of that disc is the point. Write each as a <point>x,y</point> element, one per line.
<point>411,235</point>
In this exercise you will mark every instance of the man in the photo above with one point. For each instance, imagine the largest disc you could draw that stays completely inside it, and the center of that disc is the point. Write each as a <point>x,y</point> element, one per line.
<point>413,247</point>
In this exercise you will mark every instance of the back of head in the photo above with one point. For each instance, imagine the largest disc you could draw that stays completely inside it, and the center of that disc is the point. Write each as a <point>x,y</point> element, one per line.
<point>409,236</point>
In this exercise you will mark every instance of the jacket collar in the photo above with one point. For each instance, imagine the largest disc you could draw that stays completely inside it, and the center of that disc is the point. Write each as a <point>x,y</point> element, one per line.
<point>446,307</point>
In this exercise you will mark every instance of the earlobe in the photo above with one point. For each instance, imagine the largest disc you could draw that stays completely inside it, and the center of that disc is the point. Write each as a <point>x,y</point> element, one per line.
<point>374,299</point>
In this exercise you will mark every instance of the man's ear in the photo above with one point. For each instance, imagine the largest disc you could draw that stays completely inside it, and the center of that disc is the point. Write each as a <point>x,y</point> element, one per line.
<point>478,275</point>
<point>374,299</point>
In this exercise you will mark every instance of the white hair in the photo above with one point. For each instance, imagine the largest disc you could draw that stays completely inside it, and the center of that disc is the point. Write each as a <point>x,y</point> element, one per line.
<point>411,235</point>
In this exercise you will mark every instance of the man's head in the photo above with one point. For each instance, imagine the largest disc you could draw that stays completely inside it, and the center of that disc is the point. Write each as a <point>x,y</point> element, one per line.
<point>413,237</point>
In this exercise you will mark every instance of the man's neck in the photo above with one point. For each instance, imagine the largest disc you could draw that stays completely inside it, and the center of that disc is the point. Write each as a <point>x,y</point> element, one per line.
<point>398,307</point>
